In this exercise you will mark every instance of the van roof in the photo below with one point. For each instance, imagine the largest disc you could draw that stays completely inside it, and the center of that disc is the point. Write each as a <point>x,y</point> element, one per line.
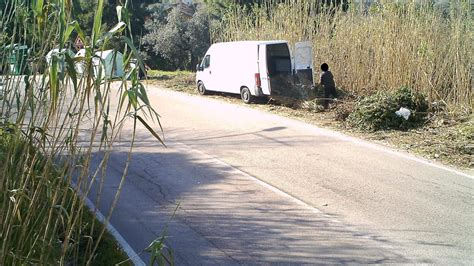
<point>254,42</point>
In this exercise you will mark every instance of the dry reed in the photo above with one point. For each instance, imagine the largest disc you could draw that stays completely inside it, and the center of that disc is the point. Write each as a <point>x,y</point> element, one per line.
<point>383,47</point>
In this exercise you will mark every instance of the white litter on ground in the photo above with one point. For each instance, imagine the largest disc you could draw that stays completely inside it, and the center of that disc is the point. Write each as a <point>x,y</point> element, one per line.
<point>403,112</point>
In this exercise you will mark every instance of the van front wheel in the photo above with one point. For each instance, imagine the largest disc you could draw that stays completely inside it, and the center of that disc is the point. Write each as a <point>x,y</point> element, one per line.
<point>246,95</point>
<point>202,89</point>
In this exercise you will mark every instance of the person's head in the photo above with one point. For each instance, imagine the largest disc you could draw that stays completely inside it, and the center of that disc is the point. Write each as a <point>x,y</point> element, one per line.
<point>324,67</point>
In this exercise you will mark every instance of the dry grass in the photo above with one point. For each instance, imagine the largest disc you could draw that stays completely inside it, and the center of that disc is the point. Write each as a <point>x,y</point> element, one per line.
<point>383,48</point>
<point>176,80</point>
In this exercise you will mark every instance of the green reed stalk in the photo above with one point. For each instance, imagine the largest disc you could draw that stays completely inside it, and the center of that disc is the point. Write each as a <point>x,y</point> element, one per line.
<point>52,121</point>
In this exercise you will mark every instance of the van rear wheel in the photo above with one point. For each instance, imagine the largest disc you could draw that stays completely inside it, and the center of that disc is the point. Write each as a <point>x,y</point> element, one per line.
<point>201,88</point>
<point>246,95</point>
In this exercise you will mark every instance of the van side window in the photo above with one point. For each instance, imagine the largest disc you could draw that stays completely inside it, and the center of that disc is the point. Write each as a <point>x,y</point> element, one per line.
<point>207,61</point>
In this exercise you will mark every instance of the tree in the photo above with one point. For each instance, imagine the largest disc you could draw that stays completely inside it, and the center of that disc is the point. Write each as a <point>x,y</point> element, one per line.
<point>137,11</point>
<point>198,34</point>
<point>168,39</point>
<point>177,38</point>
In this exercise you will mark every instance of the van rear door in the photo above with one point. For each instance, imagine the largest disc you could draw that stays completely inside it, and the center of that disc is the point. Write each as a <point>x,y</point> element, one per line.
<point>279,68</point>
<point>263,70</point>
<point>303,62</point>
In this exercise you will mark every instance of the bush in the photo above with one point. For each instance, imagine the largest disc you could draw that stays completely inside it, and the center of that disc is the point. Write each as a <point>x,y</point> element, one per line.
<point>414,101</point>
<point>377,111</point>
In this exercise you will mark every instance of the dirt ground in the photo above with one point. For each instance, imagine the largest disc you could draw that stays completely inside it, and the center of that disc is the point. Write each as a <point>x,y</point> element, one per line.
<point>445,138</point>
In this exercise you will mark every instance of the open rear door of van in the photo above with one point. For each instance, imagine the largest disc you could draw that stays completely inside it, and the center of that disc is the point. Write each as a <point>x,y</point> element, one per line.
<point>263,70</point>
<point>303,62</point>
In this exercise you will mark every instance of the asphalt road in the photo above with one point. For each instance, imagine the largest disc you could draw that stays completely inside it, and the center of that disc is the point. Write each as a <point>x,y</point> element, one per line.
<point>256,188</point>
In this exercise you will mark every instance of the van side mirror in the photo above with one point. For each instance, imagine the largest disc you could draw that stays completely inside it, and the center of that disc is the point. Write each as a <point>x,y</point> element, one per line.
<point>199,67</point>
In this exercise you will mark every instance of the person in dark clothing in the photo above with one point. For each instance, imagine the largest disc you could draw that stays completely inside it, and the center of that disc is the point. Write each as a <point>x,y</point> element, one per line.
<point>327,81</point>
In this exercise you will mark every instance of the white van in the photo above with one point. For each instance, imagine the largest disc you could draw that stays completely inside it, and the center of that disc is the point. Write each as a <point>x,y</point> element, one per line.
<point>252,68</point>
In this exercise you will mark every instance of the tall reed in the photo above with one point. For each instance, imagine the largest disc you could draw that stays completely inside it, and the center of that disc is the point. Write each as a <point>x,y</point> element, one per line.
<point>383,47</point>
<point>52,122</point>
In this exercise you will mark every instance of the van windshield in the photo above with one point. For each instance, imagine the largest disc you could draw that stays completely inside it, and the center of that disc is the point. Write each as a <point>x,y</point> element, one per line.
<point>278,59</point>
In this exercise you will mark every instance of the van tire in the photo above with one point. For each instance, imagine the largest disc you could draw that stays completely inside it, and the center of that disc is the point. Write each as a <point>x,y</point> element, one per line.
<point>246,96</point>
<point>201,88</point>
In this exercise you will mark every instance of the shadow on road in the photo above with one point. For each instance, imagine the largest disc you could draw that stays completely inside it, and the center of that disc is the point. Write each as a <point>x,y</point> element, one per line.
<point>225,217</point>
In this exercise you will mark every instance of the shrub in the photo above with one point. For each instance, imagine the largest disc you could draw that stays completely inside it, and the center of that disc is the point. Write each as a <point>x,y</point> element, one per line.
<point>412,100</point>
<point>377,111</point>
<point>467,130</point>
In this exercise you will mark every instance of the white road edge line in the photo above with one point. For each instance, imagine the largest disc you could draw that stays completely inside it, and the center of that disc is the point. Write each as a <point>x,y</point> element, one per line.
<point>381,147</point>
<point>134,257</point>
<point>274,189</point>
<point>278,191</point>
